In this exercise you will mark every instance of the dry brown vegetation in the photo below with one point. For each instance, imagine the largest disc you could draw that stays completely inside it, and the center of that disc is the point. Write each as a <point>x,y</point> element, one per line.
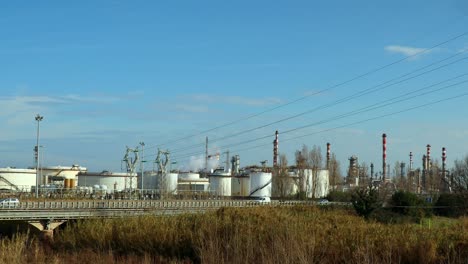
<point>246,235</point>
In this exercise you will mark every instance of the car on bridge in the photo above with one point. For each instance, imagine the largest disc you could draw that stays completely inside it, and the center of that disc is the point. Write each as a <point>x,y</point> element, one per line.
<point>9,203</point>
<point>262,200</point>
<point>323,202</point>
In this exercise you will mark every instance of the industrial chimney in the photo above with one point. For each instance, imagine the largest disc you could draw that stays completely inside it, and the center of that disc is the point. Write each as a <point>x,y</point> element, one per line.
<point>328,156</point>
<point>384,157</point>
<point>447,182</point>
<point>275,150</point>
<point>411,161</point>
<point>428,157</point>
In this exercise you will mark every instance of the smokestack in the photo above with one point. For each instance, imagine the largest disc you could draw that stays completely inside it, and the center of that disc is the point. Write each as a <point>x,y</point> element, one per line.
<point>411,161</point>
<point>428,157</point>
<point>402,170</point>
<point>206,154</point>
<point>275,150</point>
<point>423,180</point>
<point>384,157</point>
<point>447,183</point>
<point>328,156</point>
<point>372,170</point>
<point>444,159</point>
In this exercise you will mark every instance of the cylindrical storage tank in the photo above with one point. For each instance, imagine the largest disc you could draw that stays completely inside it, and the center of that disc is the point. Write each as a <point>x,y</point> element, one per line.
<point>66,183</point>
<point>115,181</point>
<point>171,183</point>
<point>149,180</point>
<point>18,180</point>
<point>72,183</point>
<point>240,186</point>
<point>67,172</point>
<point>189,176</point>
<point>220,183</point>
<point>260,184</point>
<point>103,188</point>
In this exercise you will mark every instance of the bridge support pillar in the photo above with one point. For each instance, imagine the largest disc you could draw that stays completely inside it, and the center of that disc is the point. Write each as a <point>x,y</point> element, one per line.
<point>46,228</point>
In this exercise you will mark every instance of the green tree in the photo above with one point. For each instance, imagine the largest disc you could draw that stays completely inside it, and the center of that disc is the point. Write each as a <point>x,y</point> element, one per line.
<point>365,201</point>
<point>409,204</point>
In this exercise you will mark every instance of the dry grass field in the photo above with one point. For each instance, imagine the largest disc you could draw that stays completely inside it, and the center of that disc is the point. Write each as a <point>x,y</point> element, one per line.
<point>246,235</point>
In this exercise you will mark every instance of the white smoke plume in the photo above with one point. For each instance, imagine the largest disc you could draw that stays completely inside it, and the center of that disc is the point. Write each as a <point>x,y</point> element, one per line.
<point>197,163</point>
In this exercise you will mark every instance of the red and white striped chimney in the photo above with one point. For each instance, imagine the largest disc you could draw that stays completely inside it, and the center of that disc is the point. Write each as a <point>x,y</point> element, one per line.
<point>444,161</point>
<point>275,150</point>
<point>428,157</point>
<point>384,157</point>
<point>411,161</point>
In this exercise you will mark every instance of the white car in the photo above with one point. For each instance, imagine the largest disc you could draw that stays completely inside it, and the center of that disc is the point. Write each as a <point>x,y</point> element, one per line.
<point>9,203</point>
<point>262,200</point>
<point>323,202</point>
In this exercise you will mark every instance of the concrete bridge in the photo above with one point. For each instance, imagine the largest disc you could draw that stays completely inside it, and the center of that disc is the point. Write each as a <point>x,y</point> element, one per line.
<point>48,215</point>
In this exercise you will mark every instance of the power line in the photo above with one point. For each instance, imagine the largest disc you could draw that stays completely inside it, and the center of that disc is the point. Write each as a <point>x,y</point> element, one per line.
<point>361,93</point>
<point>346,99</point>
<point>361,110</point>
<point>313,94</point>
<point>360,122</point>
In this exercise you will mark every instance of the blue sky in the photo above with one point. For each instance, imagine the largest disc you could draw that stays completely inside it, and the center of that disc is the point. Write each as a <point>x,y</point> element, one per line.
<point>110,74</point>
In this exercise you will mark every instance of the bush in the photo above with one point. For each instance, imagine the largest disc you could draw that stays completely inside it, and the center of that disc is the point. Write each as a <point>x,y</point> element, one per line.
<point>339,196</point>
<point>409,204</point>
<point>387,216</point>
<point>365,201</point>
<point>451,205</point>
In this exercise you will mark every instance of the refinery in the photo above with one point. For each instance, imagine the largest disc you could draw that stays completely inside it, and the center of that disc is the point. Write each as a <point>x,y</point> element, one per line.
<point>230,181</point>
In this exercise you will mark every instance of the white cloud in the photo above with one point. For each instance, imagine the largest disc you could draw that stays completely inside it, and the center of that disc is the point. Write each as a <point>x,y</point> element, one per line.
<point>407,51</point>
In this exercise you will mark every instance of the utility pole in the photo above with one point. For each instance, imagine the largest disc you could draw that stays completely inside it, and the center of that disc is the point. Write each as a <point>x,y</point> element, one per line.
<point>142,144</point>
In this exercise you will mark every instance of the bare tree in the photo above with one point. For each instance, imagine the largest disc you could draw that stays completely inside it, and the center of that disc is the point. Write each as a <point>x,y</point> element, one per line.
<point>334,172</point>
<point>302,165</point>
<point>315,163</point>
<point>282,179</point>
<point>459,176</point>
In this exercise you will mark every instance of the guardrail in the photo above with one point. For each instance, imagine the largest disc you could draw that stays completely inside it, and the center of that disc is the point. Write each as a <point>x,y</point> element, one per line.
<point>107,209</point>
<point>144,204</point>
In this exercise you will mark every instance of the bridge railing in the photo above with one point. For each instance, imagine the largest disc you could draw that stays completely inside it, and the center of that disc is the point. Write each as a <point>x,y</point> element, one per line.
<point>110,204</point>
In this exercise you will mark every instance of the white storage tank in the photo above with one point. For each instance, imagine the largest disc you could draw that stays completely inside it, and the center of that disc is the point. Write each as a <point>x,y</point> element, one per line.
<point>240,186</point>
<point>167,183</point>
<point>260,184</point>
<point>150,181</point>
<point>189,176</point>
<point>190,182</point>
<point>114,181</point>
<point>285,185</point>
<point>220,183</point>
<point>19,180</point>
<point>317,184</point>
<point>51,173</point>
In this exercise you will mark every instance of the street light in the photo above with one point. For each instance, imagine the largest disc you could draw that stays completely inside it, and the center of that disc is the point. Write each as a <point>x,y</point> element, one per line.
<point>38,119</point>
